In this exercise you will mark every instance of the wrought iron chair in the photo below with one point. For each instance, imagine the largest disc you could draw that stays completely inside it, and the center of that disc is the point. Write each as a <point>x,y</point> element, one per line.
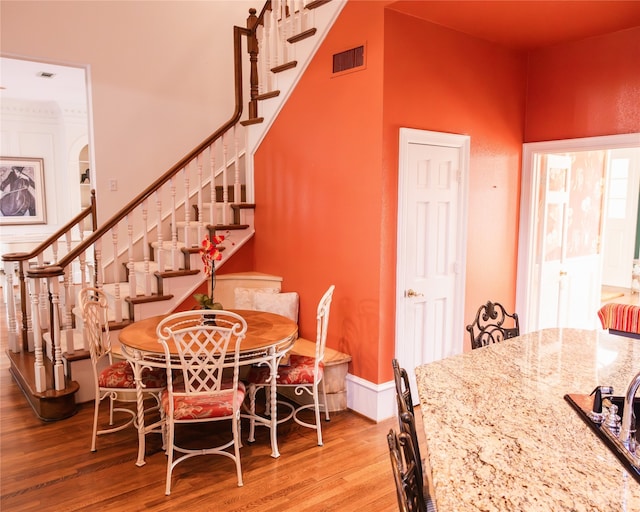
<point>302,373</point>
<point>407,477</point>
<point>492,325</point>
<point>113,380</point>
<point>406,418</point>
<point>403,390</point>
<point>206,344</point>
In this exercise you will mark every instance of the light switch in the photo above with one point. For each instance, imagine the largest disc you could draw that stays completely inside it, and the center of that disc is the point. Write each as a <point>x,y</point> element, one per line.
<point>113,185</point>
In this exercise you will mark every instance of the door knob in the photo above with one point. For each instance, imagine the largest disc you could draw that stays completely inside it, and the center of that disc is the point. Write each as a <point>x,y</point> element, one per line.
<point>412,293</point>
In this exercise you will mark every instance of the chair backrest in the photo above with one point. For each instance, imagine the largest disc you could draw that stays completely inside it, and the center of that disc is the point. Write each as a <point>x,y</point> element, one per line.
<point>322,317</point>
<point>202,339</point>
<point>403,391</point>
<point>94,306</point>
<point>492,325</point>
<point>406,418</point>
<point>407,477</point>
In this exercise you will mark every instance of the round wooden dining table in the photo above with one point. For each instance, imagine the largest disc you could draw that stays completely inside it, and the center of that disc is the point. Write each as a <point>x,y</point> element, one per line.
<point>268,338</point>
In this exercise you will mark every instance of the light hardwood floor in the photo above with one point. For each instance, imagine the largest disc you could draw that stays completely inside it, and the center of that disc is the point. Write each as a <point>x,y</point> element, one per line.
<point>49,467</point>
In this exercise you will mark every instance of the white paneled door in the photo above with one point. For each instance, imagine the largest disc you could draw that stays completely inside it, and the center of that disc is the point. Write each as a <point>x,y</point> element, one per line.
<point>431,247</point>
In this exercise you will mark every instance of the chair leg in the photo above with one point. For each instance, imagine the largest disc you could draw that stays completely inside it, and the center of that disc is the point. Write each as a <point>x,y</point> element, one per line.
<point>96,410</point>
<point>169,452</point>
<point>111,402</point>
<point>316,406</point>
<point>326,404</point>
<point>236,449</point>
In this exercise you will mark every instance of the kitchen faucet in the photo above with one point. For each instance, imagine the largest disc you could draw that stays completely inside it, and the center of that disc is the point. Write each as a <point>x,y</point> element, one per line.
<point>627,413</point>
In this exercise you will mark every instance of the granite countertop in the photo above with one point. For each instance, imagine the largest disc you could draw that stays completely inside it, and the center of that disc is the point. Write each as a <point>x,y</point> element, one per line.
<point>500,436</point>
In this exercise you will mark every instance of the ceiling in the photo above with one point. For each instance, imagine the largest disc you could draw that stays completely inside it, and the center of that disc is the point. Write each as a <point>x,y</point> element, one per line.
<point>526,25</point>
<point>522,25</point>
<point>20,80</point>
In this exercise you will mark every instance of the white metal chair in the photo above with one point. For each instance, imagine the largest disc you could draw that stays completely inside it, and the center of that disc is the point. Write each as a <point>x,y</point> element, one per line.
<point>302,373</point>
<point>206,343</point>
<point>113,380</point>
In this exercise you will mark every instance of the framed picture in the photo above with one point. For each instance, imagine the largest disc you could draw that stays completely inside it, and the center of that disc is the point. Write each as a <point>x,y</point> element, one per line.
<point>22,191</point>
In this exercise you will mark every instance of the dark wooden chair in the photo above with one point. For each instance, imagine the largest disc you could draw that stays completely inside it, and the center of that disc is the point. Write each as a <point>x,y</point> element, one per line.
<point>492,325</point>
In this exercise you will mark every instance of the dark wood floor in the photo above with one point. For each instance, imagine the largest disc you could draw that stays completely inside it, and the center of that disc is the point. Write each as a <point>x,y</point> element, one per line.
<point>48,466</point>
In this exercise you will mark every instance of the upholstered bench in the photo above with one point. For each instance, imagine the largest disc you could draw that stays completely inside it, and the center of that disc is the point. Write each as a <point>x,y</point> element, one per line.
<point>336,365</point>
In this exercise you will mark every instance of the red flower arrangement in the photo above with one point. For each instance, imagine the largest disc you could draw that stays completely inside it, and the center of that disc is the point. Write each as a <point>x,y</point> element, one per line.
<point>210,253</point>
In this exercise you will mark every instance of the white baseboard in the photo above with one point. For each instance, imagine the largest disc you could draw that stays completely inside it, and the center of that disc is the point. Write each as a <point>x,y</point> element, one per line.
<point>375,401</point>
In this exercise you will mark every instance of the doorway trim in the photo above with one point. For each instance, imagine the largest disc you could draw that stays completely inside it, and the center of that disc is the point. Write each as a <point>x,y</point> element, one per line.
<point>407,137</point>
<point>529,199</point>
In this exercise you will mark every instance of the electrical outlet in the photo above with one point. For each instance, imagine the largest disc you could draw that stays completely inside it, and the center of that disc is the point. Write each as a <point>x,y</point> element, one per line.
<point>113,185</point>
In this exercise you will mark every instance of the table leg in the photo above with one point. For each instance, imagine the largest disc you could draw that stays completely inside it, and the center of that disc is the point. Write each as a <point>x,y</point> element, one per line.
<point>273,363</point>
<point>137,375</point>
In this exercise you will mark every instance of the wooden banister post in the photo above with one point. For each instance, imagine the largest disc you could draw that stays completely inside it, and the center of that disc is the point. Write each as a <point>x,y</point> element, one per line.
<point>252,49</point>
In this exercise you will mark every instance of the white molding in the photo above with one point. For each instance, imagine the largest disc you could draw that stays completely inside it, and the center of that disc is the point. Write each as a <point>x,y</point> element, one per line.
<point>375,401</point>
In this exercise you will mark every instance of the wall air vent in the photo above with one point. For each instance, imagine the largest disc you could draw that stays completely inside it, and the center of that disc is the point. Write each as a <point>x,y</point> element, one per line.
<point>348,59</point>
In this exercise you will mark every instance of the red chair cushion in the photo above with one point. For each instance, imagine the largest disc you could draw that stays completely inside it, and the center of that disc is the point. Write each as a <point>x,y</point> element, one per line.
<point>298,371</point>
<point>202,407</point>
<point>120,375</point>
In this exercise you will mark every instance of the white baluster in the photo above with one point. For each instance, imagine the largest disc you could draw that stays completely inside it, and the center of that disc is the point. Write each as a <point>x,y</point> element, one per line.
<point>130,260</point>
<point>200,224</point>
<point>265,55</point>
<point>56,335</point>
<point>145,248</point>
<point>68,307</point>
<point>213,210</point>
<point>159,256</point>
<point>38,365</point>
<point>277,47</point>
<point>116,276</point>
<point>43,312</point>
<point>82,259</point>
<point>225,179</point>
<point>99,271</point>
<point>237,186</point>
<point>10,300</point>
<point>187,209</point>
<point>174,231</point>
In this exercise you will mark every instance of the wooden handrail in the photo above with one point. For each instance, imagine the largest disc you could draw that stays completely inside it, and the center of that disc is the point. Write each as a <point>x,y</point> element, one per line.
<point>90,210</point>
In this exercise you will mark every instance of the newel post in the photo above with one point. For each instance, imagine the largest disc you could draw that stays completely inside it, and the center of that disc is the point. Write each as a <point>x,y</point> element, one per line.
<point>252,49</point>
<point>52,276</point>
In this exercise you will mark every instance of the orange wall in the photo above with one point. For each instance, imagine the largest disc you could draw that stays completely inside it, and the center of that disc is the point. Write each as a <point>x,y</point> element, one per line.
<point>441,80</point>
<point>585,89</point>
<point>327,170</point>
<point>326,174</point>
<point>319,195</point>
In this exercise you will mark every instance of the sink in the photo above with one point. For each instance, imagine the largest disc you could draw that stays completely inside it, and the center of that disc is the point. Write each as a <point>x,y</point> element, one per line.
<point>628,455</point>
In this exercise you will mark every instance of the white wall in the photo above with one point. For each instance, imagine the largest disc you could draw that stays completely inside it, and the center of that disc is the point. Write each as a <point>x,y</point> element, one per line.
<point>49,131</point>
<point>160,76</point>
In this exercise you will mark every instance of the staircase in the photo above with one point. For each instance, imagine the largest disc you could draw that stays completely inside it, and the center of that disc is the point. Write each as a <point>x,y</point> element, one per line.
<point>146,257</point>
